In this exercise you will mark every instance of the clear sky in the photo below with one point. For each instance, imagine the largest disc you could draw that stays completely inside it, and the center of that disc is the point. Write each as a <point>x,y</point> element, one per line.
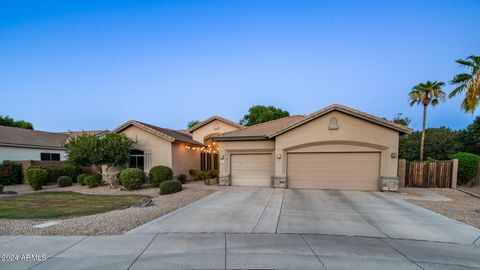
<point>96,64</point>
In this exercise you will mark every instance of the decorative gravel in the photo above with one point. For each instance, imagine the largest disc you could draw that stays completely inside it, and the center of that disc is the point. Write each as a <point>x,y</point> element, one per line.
<point>114,222</point>
<point>462,207</point>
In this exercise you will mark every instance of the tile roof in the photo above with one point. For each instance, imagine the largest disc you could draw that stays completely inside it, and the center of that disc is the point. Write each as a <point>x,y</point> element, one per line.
<point>31,138</point>
<point>262,130</point>
<point>215,117</point>
<point>88,132</point>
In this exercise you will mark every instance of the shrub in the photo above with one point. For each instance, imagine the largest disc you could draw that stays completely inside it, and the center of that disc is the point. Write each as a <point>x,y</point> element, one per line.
<point>182,178</point>
<point>132,178</point>
<point>1,188</point>
<point>193,172</point>
<point>64,181</point>
<point>36,177</point>
<point>43,168</point>
<point>170,186</point>
<point>204,175</point>
<point>10,173</point>
<point>93,181</point>
<point>70,169</point>
<point>81,179</point>
<point>467,166</point>
<point>214,173</point>
<point>158,174</point>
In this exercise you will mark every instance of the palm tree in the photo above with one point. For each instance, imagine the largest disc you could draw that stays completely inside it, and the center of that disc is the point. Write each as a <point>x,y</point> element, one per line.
<point>429,93</point>
<point>468,82</point>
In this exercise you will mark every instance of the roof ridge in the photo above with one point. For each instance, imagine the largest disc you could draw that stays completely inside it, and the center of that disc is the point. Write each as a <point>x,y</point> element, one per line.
<point>215,117</point>
<point>263,123</point>
<point>34,130</point>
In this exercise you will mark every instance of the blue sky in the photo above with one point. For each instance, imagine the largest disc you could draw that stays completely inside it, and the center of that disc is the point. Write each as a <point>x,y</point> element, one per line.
<point>96,64</point>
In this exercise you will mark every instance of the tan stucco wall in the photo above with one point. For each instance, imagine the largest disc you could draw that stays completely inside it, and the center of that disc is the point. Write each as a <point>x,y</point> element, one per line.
<point>353,135</point>
<point>241,147</point>
<point>184,159</point>
<point>158,150</point>
<point>211,128</point>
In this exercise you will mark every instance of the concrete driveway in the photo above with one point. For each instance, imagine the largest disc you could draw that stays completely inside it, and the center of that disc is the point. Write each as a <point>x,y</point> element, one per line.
<point>325,212</point>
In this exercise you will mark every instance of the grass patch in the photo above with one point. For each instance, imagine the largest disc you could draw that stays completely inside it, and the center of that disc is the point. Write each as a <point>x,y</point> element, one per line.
<point>47,205</point>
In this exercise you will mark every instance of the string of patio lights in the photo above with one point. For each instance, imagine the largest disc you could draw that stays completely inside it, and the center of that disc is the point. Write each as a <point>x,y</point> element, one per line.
<point>206,149</point>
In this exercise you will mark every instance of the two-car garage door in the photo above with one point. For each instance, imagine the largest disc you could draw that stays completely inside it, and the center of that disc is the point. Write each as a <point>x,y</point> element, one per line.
<point>350,171</point>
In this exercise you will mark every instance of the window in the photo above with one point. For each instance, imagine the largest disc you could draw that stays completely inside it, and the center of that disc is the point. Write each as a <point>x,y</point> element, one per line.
<point>208,161</point>
<point>50,156</point>
<point>137,159</point>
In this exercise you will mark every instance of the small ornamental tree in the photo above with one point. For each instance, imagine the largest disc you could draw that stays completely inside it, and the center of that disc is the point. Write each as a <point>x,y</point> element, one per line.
<point>109,151</point>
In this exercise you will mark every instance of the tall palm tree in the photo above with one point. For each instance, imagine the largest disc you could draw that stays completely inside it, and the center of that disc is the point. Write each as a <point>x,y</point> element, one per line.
<point>468,82</point>
<point>429,93</point>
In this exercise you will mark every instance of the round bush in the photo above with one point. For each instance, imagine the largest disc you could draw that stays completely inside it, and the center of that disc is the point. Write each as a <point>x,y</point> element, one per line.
<point>467,166</point>
<point>158,174</point>
<point>93,181</point>
<point>70,169</point>
<point>64,181</point>
<point>10,173</point>
<point>170,186</point>
<point>36,177</point>
<point>182,178</point>
<point>81,178</point>
<point>204,175</point>
<point>43,168</point>
<point>132,178</point>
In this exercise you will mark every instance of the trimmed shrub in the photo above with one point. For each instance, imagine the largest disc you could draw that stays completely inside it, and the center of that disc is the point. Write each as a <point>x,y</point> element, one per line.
<point>64,181</point>
<point>214,173</point>
<point>37,177</point>
<point>182,178</point>
<point>170,186</point>
<point>10,173</point>
<point>467,166</point>
<point>1,188</point>
<point>43,168</point>
<point>132,178</point>
<point>81,178</point>
<point>70,169</point>
<point>204,175</point>
<point>93,181</point>
<point>193,172</point>
<point>158,174</point>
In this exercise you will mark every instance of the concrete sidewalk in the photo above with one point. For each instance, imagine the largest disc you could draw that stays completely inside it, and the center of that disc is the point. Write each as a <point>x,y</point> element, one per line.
<point>235,251</point>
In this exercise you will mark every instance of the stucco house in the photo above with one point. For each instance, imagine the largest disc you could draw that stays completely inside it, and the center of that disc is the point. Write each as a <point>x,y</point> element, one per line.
<point>334,148</point>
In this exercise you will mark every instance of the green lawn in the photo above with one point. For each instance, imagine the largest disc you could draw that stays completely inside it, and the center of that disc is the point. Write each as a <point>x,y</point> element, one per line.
<point>47,205</point>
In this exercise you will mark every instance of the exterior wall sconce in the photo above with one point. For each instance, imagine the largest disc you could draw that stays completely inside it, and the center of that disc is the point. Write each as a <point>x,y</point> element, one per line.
<point>222,157</point>
<point>279,156</point>
<point>393,155</point>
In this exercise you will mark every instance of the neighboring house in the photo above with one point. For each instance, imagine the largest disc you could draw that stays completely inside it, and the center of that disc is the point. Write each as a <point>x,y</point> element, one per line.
<point>334,148</point>
<point>180,150</point>
<point>26,144</point>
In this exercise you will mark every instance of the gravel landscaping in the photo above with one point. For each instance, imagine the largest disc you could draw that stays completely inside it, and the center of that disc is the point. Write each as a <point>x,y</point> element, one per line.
<point>462,207</point>
<point>114,222</point>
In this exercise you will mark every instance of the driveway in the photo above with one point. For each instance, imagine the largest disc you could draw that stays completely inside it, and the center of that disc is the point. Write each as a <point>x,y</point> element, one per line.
<point>323,212</point>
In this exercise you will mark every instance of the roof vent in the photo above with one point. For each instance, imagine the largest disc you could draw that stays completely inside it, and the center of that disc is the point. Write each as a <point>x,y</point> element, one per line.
<point>333,124</point>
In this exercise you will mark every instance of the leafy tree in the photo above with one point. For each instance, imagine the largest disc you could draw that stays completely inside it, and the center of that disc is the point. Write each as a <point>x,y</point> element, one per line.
<point>470,137</point>
<point>402,120</point>
<point>468,82</point>
<point>258,114</point>
<point>429,93</point>
<point>439,144</point>
<point>10,122</point>
<point>193,123</point>
<point>109,151</point>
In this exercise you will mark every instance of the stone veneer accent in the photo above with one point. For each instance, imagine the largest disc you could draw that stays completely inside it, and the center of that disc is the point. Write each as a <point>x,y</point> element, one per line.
<point>388,183</point>
<point>279,181</point>
<point>224,180</point>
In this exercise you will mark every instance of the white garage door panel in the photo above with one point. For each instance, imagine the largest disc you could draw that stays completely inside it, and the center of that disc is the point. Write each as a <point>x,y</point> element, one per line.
<point>251,170</point>
<point>350,171</point>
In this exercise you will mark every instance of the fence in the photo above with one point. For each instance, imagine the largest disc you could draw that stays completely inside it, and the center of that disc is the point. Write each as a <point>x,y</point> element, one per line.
<point>436,174</point>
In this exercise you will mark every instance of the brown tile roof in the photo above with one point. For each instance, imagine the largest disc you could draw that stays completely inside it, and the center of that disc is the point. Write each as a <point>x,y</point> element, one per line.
<point>262,130</point>
<point>168,134</point>
<point>88,132</point>
<point>215,117</point>
<point>31,138</point>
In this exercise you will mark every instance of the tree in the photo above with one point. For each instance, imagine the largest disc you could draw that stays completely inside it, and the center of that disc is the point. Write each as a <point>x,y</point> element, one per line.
<point>402,120</point>
<point>468,82</point>
<point>439,144</point>
<point>193,123</point>
<point>109,151</point>
<point>470,137</point>
<point>429,93</point>
<point>10,122</point>
<point>258,114</point>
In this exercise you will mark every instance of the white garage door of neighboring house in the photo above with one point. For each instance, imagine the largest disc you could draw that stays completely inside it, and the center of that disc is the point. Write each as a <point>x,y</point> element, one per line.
<point>251,170</point>
<point>349,171</point>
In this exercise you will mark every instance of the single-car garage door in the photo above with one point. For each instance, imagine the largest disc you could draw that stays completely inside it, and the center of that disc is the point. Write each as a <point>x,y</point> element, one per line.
<point>349,171</point>
<point>251,170</point>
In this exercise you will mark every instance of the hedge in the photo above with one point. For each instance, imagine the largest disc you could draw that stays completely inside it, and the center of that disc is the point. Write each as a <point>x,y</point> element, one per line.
<point>158,174</point>
<point>36,177</point>
<point>40,167</point>
<point>81,178</point>
<point>132,179</point>
<point>70,169</point>
<point>170,186</point>
<point>64,181</point>
<point>467,166</point>
<point>10,173</point>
